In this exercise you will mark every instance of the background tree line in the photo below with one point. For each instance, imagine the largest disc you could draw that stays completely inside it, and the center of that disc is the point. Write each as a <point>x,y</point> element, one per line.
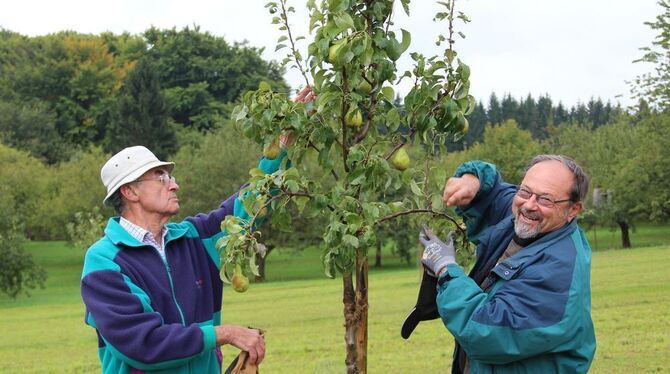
<point>64,92</point>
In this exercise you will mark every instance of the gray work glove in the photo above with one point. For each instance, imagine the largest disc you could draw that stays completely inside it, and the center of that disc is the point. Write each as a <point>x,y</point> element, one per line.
<point>436,254</point>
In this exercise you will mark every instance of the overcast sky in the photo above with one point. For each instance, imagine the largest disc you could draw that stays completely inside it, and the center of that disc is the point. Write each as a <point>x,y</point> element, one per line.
<point>570,49</point>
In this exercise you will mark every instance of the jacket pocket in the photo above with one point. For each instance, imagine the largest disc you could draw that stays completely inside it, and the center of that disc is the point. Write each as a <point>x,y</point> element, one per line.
<point>506,271</point>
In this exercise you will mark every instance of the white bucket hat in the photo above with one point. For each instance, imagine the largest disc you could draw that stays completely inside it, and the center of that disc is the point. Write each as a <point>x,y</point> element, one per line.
<point>128,165</point>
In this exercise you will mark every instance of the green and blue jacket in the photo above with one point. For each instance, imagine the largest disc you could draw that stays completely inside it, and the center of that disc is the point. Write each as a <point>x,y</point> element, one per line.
<point>536,316</point>
<point>153,315</point>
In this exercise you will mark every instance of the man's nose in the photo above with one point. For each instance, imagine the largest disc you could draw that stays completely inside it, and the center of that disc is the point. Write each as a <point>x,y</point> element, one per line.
<point>531,202</point>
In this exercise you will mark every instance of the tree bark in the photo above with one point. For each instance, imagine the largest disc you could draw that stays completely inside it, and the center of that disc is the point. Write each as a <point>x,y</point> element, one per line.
<point>349,301</point>
<point>362,313</point>
<point>355,300</point>
<point>625,236</point>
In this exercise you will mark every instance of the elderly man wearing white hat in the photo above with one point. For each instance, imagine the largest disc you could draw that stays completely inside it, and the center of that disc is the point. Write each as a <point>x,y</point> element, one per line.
<point>151,288</point>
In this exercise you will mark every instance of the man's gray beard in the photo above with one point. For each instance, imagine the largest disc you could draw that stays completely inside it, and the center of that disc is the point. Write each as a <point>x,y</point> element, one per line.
<point>524,231</point>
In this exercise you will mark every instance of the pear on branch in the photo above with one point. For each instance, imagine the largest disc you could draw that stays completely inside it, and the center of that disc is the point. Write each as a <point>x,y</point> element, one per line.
<point>240,281</point>
<point>353,118</point>
<point>400,159</point>
<point>271,151</point>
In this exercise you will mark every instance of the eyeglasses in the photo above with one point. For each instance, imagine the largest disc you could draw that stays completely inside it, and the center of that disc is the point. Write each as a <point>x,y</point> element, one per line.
<point>164,178</point>
<point>543,200</point>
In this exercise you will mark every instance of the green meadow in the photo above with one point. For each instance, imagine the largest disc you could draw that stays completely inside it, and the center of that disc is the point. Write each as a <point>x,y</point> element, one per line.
<point>301,311</point>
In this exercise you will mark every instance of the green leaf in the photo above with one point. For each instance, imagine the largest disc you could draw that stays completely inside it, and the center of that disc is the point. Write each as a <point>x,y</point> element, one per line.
<point>393,119</point>
<point>350,240</point>
<point>343,20</point>
<point>415,188</point>
<point>253,266</point>
<point>405,6</point>
<point>353,220</point>
<point>240,112</point>
<point>463,70</point>
<point>406,40</point>
<point>436,202</point>
<point>221,243</point>
<point>256,172</point>
<point>264,86</point>
<point>388,93</point>
<point>301,202</point>
<point>292,186</point>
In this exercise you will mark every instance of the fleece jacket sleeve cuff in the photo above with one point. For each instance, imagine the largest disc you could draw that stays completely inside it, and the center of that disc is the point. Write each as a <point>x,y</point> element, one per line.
<point>209,337</point>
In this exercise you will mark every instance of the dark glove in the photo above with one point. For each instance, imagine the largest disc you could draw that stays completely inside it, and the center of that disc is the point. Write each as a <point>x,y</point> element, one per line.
<point>436,254</point>
<point>425,308</point>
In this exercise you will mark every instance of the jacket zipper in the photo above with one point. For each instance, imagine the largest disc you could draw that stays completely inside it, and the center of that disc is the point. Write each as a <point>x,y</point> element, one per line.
<point>174,297</point>
<point>169,274</point>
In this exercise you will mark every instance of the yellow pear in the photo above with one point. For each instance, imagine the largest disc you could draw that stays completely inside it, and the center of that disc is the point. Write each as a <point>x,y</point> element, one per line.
<point>466,126</point>
<point>263,209</point>
<point>333,51</point>
<point>353,118</point>
<point>271,151</point>
<point>400,159</point>
<point>239,281</point>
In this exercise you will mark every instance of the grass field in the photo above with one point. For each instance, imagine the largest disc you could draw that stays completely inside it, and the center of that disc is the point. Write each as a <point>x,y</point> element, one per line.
<point>45,333</point>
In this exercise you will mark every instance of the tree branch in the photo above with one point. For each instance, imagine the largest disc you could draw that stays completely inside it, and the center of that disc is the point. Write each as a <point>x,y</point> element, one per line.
<point>343,115</point>
<point>275,197</point>
<point>417,211</point>
<point>399,145</point>
<point>332,171</point>
<point>368,122</point>
<point>290,38</point>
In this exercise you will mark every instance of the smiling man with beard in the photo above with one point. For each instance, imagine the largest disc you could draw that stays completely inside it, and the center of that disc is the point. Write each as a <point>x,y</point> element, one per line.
<point>526,305</point>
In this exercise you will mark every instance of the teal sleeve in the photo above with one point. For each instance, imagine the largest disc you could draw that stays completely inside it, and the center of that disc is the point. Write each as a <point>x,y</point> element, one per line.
<point>268,166</point>
<point>472,213</point>
<point>486,173</point>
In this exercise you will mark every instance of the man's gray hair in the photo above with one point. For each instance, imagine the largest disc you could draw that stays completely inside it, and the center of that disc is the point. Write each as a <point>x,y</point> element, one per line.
<point>580,187</point>
<point>116,202</point>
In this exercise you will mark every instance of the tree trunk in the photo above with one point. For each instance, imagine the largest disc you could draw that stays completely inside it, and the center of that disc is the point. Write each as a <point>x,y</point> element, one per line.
<point>378,254</point>
<point>349,301</point>
<point>362,313</point>
<point>355,301</point>
<point>625,237</point>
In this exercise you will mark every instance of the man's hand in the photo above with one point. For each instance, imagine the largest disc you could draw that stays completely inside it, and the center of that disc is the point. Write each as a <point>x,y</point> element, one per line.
<point>460,190</point>
<point>306,95</point>
<point>248,340</point>
<point>436,254</point>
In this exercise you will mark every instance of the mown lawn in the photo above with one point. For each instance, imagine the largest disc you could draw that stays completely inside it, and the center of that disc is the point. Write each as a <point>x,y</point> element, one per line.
<point>643,235</point>
<point>45,333</point>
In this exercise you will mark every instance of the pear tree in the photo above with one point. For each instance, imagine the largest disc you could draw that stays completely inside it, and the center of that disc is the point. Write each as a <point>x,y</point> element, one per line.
<point>358,136</point>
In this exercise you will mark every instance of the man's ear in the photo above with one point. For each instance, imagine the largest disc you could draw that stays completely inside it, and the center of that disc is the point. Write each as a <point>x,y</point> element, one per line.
<point>574,210</point>
<point>128,192</point>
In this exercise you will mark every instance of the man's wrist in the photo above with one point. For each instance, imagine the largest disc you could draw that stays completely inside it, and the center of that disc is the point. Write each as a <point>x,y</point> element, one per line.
<point>441,271</point>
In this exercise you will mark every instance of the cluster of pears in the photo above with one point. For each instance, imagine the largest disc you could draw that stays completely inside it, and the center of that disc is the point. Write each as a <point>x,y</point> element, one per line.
<point>239,281</point>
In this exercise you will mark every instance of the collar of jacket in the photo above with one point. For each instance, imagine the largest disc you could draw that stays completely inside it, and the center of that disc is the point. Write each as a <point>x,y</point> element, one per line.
<point>119,236</point>
<point>539,245</point>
